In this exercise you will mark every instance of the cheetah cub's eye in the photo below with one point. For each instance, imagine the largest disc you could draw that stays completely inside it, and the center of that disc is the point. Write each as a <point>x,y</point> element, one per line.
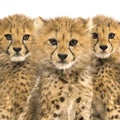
<point>111,35</point>
<point>8,36</point>
<point>26,37</point>
<point>73,42</point>
<point>53,41</point>
<point>94,35</point>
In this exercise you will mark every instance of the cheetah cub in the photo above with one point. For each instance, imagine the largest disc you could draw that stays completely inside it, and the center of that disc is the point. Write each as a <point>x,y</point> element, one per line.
<point>106,86</point>
<point>64,91</point>
<point>17,69</point>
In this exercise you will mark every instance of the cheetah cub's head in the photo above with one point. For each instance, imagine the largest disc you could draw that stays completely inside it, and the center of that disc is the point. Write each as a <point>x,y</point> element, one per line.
<point>65,41</point>
<point>16,37</point>
<point>106,36</point>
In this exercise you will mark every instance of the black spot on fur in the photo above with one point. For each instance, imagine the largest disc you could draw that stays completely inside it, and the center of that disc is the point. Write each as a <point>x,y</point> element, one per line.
<point>63,80</point>
<point>108,24</point>
<point>55,115</point>
<point>81,118</point>
<point>62,99</point>
<point>78,99</point>
<point>52,101</point>
<point>57,107</point>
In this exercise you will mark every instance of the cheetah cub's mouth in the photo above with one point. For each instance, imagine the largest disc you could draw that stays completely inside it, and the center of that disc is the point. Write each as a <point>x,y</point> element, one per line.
<point>19,58</point>
<point>102,54</point>
<point>64,65</point>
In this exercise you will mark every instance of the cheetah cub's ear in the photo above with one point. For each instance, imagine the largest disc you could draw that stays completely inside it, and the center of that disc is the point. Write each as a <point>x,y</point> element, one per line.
<point>38,23</point>
<point>88,23</point>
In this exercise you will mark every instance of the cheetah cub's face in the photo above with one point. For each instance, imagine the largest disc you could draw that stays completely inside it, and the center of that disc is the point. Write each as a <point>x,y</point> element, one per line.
<point>64,40</point>
<point>106,36</point>
<point>16,37</point>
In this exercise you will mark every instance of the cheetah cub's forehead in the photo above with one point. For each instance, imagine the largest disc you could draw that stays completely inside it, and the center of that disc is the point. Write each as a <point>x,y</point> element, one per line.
<point>78,25</point>
<point>104,21</point>
<point>16,34</point>
<point>106,36</point>
<point>65,38</point>
<point>104,25</point>
<point>20,23</point>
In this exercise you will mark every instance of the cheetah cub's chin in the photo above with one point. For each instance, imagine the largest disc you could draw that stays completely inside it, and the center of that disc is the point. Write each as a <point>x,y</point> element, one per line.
<point>102,55</point>
<point>63,65</point>
<point>19,58</point>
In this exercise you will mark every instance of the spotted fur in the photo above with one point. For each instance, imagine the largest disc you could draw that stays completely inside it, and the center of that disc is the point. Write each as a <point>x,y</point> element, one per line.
<point>64,90</point>
<point>17,69</point>
<point>106,85</point>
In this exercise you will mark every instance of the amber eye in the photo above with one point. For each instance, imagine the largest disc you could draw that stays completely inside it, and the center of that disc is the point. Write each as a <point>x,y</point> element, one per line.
<point>111,35</point>
<point>94,35</point>
<point>8,36</point>
<point>26,37</point>
<point>53,41</point>
<point>73,42</point>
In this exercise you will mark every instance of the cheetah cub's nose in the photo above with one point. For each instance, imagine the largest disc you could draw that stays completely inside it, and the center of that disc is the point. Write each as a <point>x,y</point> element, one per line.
<point>17,49</point>
<point>103,47</point>
<point>62,56</point>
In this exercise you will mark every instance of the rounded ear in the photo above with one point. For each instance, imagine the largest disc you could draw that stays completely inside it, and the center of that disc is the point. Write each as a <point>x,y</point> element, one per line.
<point>89,24</point>
<point>39,22</point>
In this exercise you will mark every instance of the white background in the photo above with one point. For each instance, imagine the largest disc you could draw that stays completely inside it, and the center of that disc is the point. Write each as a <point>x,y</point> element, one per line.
<point>54,8</point>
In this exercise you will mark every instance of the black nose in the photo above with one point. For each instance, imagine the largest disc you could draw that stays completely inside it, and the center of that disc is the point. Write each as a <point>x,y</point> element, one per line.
<point>62,56</point>
<point>103,47</point>
<point>17,49</point>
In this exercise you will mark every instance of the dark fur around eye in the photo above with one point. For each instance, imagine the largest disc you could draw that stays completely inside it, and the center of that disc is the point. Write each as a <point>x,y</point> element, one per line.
<point>8,36</point>
<point>26,37</point>
<point>53,41</point>
<point>111,35</point>
<point>94,35</point>
<point>73,42</point>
